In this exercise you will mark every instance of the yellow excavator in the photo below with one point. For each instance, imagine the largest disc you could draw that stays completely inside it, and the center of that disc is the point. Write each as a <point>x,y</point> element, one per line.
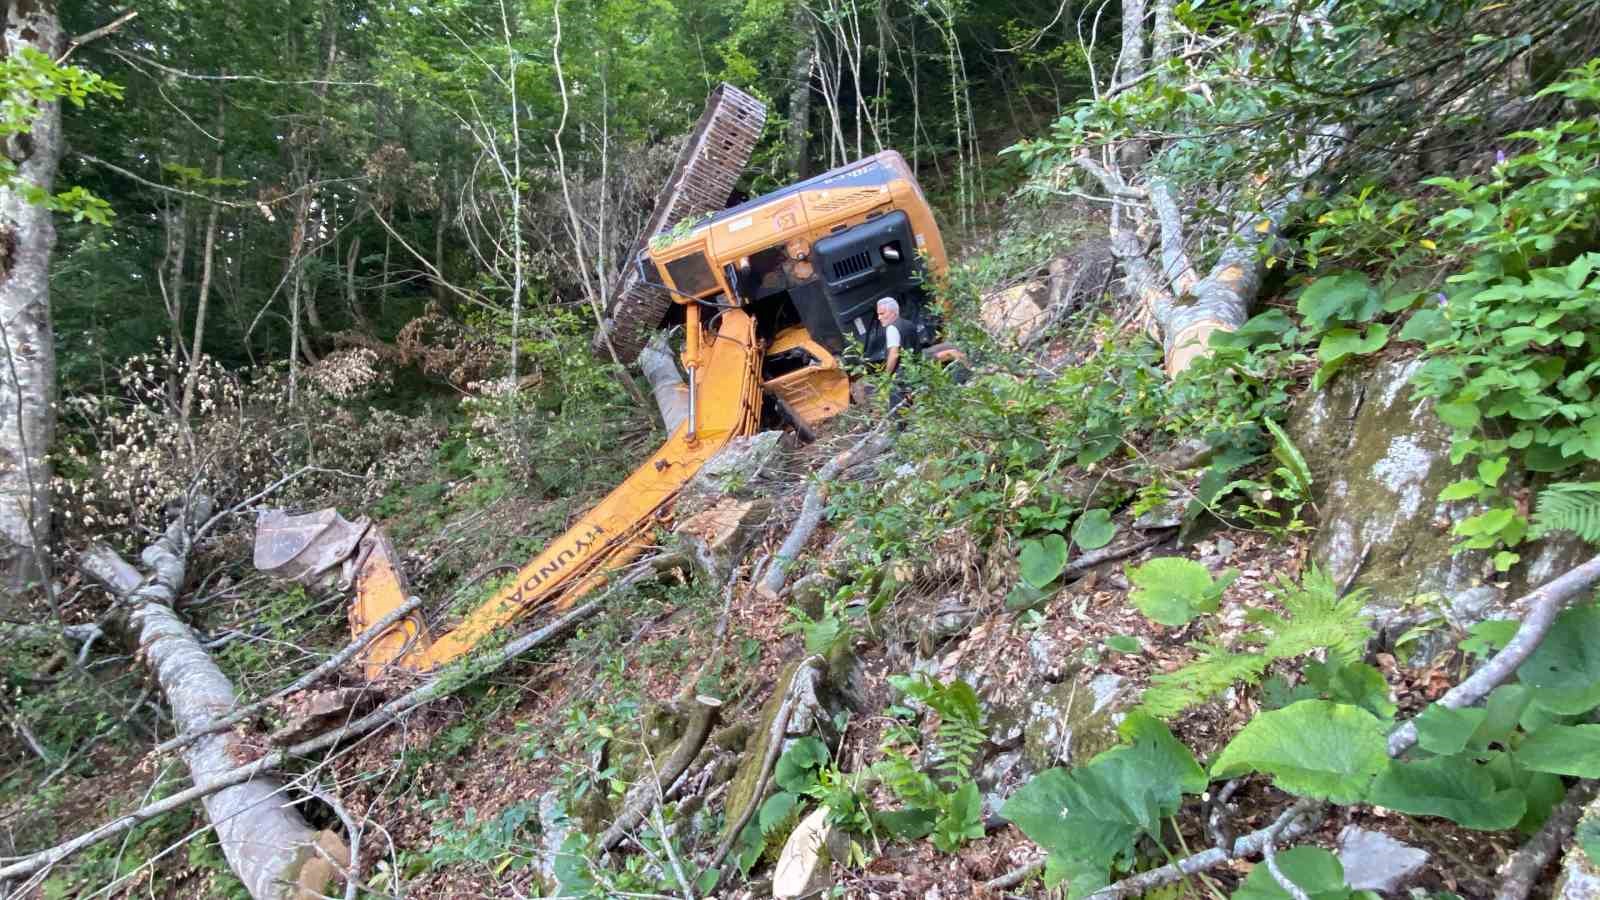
<point>771,294</point>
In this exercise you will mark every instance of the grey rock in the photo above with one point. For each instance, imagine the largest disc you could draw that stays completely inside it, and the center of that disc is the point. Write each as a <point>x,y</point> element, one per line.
<point>1373,861</point>
<point>1166,515</point>
<point>1045,653</point>
<point>1469,607</point>
<point>554,826</point>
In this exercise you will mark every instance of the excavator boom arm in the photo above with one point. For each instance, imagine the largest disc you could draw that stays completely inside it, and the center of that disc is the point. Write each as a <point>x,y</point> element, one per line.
<point>613,533</point>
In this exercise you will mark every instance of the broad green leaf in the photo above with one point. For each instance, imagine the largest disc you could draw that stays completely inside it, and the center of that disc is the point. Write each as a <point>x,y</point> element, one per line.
<point>1562,750</point>
<point>1089,817</point>
<point>962,820</point>
<point>1460,415</point>
<point>1177,761</point>
<point>1313,748</point>
<point>1343,342</point>
<point>1446,731</point>
<point>1312,869</point>
<point>1172,590</point>
<point>1345,297</point>
<point>1355,683</point>
<point>1093,530</point>
<point>1465,489</point>
<point>1025,596</point>
<point>1564,671</point>
<point>1487,637</point>
<point>1042,559</point>
<point>776,811</point>
<point>1588,835</point>
<point>797,767</point>
<point>1454,787</point>
<point>906,824</point>
<point>1426,326</point>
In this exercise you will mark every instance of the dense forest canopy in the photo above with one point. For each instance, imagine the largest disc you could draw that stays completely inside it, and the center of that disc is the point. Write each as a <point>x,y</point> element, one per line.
<point>1234,537</point>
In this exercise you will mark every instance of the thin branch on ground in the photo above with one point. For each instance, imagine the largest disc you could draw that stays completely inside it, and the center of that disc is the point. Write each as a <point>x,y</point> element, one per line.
<point>1521,872</point>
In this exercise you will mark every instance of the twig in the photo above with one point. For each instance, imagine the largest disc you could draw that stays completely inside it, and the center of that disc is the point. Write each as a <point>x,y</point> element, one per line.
<point>352,875</point>
<point>1269,853</point>
<point>97,33</point>
<point>811,509</point>
<point>1219,805</point>
<point>1107,554</point>
<point>1521,871</point>
<point>647,794</point>
<point>666,844</point>
<point>1543,604</point>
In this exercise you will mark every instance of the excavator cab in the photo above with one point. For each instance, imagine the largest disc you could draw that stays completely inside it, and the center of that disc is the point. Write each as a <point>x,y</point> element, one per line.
<point>809,263</point>
<point>773,295</point>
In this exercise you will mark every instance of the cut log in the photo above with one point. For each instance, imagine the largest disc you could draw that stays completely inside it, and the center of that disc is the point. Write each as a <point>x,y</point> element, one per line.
<point>266,841</point>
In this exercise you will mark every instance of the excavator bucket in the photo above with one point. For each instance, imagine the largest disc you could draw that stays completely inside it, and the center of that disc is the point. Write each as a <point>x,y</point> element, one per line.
<point>304,548</point>
<point>381,588</point>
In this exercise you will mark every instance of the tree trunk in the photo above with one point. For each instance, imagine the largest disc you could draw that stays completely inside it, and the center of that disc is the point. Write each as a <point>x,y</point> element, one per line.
<point>28,379</point>
<point>799,160</point>
<point>205,272</point>
<point>265,839</point>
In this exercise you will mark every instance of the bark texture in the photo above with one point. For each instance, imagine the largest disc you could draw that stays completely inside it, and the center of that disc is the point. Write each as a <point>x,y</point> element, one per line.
<point>28,376</point>
<point>672,395</point>
<point>800,92</point>
<point>265,839</point>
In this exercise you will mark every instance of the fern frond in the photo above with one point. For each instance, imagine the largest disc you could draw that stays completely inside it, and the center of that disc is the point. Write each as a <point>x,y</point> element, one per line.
<point>1570,506</point>
<point>1317,617</point>
<point>1216,669</point>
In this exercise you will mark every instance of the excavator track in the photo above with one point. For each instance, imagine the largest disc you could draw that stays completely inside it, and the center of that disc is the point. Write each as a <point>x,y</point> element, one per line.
<point>708,167</point>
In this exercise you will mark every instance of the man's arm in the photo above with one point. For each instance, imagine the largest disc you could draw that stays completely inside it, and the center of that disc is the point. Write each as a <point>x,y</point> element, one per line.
<point>892,361</point>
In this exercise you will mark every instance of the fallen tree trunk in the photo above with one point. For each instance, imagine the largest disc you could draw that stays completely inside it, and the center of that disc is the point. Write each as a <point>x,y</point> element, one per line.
<point>812,508</point>
<point>442,684</point>
<point>266,841</point>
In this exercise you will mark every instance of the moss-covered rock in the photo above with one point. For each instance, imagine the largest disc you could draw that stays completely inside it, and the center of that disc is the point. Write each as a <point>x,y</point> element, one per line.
<point>802,679</point>
<point>1073,721</point>
<point>1379,459</point>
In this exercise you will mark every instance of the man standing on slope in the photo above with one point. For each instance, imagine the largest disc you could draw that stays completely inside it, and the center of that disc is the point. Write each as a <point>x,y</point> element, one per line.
<point>888,316</point>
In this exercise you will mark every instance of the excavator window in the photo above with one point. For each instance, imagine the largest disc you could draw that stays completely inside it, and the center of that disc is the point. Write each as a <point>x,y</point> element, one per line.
<point>692,274</point>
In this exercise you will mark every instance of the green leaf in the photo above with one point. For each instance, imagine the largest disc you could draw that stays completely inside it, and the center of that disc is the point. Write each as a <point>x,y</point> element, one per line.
<point>1426,326</point>
<point>776,811</point>
<point>1354,683</point>
<point>1465,489</point>
<point>1043,559</point>
<point>1460,415</point>
<point>1491,470</point>
<point>1342,342</point>
<point>1564,670</point>
<point>962,819</point>
<point>1562,750</point>
<point>1489,636</point>
<point>1313,748</point>
<point>1454,787</point>
<point>1123,643</point>
<point>797,767</point>
<point>1345,297</point>
<point>1093,530</point>
<point>1172,590</point>
<point>1025,596</point>
<point>1588,835</point>
<point>1312,869</point>
<point>1446,731</point>
<point>1089,817</point>
<point>906,824</point>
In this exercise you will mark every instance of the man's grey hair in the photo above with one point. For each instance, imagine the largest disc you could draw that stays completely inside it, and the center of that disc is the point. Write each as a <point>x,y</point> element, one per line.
<point>891,304</point>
